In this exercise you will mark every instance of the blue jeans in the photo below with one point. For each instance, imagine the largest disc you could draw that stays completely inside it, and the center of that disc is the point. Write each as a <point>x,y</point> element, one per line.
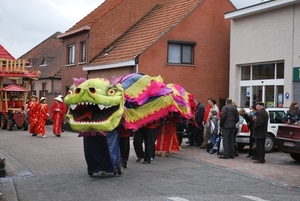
<point>213,138</point>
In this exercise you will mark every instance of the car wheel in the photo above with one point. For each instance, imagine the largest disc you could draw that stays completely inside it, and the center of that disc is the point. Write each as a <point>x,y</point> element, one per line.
<point>269,144</point>
<point>295,156</point>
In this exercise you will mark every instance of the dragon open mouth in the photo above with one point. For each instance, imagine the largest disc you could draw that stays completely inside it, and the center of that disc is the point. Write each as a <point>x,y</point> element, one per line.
<point>86,112</point>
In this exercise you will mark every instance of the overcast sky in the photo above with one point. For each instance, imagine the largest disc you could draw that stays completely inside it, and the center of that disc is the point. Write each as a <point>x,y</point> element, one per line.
<point>26,23</point>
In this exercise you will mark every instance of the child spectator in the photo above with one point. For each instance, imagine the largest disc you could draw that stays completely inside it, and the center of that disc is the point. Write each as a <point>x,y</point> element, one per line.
<point>213,129</point>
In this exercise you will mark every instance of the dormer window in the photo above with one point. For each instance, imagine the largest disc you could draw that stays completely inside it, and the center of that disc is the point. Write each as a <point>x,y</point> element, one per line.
<point>44,62</point>
<point>30,63</point>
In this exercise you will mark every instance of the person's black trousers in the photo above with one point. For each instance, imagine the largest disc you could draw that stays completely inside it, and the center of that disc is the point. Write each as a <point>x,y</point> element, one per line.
<point>124,148</point>
<point>260,149</point>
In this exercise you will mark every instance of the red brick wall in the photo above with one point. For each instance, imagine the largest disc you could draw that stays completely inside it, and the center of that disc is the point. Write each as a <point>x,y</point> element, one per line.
<point>70,72</point>
<point>209,77</point>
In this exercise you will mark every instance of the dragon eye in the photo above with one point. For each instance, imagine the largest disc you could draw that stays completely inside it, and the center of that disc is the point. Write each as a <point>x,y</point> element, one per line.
<point>77,91</point>
<point>111,92</point>
<point>92,90</point>
<point>70,92</point>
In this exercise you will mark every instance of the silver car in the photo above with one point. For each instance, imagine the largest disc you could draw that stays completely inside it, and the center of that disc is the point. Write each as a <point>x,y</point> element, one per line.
<point>276,118</point>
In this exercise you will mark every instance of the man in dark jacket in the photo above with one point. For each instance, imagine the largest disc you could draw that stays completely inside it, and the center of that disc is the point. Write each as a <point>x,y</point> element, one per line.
<point>229,119</point>
<point>199,119</point>
<point>260,130</point>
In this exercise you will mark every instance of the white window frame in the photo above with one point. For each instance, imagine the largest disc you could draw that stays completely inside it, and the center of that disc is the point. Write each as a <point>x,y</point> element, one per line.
<point>71,54</point>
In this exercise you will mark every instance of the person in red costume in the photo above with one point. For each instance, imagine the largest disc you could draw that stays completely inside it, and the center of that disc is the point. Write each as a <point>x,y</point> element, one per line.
<point>33,111</point>
<point>58,113</point>
<point>43,117</point>
<point>167,140</point>
<point>64,108</point>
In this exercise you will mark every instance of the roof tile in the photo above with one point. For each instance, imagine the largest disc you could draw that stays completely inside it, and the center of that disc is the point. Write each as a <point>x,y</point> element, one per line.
<point>4,53</point>
<point>149,29</point>
<point>51,50</point>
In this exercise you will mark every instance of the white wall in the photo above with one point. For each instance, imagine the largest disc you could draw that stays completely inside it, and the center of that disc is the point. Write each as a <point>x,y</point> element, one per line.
<point>266,37</point>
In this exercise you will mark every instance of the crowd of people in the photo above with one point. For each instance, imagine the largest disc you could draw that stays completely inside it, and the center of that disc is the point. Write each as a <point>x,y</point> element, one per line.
<point>209,129</point>
<point>37,112</point>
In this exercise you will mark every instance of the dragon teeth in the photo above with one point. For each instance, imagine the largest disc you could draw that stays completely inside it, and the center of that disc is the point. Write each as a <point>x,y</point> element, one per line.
<point>73,107</point>
<point>101,107</point>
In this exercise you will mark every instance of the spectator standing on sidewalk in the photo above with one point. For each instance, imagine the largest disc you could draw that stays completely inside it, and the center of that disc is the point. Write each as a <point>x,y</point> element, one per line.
<point>260,130</point>
<point>213,129</point>
<point>212,104</point>
<point>199,119</point>
<point>229,119</point>
<point>293,114</point>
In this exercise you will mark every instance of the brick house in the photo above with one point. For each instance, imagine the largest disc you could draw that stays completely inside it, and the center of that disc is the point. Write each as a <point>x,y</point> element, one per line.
<point>184,41</point>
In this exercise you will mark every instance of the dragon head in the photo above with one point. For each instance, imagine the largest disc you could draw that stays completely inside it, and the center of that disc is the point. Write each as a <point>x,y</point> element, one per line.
<point>94,105</point>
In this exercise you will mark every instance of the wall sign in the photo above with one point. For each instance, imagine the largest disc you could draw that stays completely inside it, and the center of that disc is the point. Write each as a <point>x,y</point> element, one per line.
<point>287,95</point>
<point>296,74</point>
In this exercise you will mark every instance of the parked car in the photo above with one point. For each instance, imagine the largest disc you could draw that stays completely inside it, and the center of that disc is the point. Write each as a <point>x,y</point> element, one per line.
<point>276,118</point>
<point>288,139</point>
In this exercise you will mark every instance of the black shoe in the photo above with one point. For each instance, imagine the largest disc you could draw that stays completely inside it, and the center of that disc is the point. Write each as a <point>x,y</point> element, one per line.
<point>254,158</point>
<point>57,135</point>
<point>34,134</point>
<point>146,162</point>
<point>190,145</point>
<point>212,151</point>
<point>259,161</point>
<point>232,157</point>
<point>248,156</point>
<point>125,165</point>
<point>223,157</point>
<point>138,160</point>
<point>62,130</point>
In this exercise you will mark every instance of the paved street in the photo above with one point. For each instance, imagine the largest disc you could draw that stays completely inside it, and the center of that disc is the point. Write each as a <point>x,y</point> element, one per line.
<point>54,169</point>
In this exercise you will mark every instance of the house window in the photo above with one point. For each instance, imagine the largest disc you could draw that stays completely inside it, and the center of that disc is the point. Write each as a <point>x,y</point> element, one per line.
<point>32,91</point>
<point>262,82</point>
<point>44,91</point>
<point>44,84</point>
<point>44,62</point>
<point>181,52</point>
<point>83,51</point>
<point>71,54</point>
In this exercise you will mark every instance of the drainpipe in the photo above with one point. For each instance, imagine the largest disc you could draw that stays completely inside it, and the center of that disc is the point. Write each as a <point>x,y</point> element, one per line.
<point>136,59</point>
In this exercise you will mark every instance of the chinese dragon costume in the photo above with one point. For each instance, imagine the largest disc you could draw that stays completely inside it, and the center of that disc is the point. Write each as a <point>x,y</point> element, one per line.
<point>97,106</point>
